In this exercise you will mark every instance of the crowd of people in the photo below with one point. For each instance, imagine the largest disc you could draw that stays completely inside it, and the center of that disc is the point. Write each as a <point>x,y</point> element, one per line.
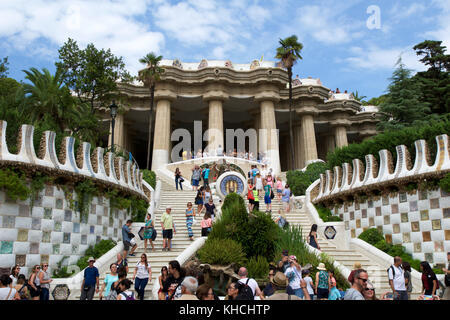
<point>220,152</point>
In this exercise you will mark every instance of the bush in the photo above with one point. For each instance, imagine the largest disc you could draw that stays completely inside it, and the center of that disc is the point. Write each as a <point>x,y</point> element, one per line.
<point>149,177</point>
<point>222,252</point>
<point>325,214</point>
<point>389,140</point>
<point>258,267</point>
<point>372,236</point>
<point>256,232</point>
<point>95,251</point>
<point>14,184</point>
<point>299,181</point>
<point>445,183</point>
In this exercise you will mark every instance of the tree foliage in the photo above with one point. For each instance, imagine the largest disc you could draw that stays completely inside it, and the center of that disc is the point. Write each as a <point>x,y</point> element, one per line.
<point>4,68</point>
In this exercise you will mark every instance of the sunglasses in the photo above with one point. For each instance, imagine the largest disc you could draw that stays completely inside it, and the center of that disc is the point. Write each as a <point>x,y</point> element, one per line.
<point>370,289</point>
<point>364,280</point>
<point>45,265</point>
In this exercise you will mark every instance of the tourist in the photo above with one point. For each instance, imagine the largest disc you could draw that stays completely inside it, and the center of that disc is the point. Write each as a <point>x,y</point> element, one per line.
<point>250,197</point>
<point>255,171</point>
<point>279,186</point>
<point>125,292</point>
<point>286,198</point>
<point>294,275</point>
<point>281,219</point>
<point>280,283</point>
<point>184,155</point>
<point>22,288</point>
<point>258,182</point>
<point>126,239</point>
<point>269,288</point>
<point>90,282</point>
<point>34,284</point>
<point>204,292</point>
<point>337,90</point>
<point>312,237</point>
<point>45,280</point>
<point>269,179</point>
<point>263,171</point>
<point>188,288</point>
<point>205,154</point>
<point>358,286</point>
<point>322,282</point>
<point>6,291</point>
<point>162,279</point>
<point>210,208</point>
<point>369,292</point>
<point>267,196</point>
<point>172,285</point>
<point>206,195</point>
<point>199,200</point>
<point>114,290</point>
<point>309,283</point>
<point>446,295</point>
<point>142,274</point>
<point>149,229</point>
<point>283,263</point>
<point>196,174</point>
<point>178,178</point>
<point>334,292</point>
<point>108,282</point>
<point>190,214</point>
<point>122,263</point>
<point>15,274</point>
<point>256,199</point>
<point>168,228</point>
<point>244,280</point>
<point>408,282</point>
<point>429,280</point>
<point>232,291</point>
<point>356,266</point>
<point>396,276</point>
<point>206,224</point>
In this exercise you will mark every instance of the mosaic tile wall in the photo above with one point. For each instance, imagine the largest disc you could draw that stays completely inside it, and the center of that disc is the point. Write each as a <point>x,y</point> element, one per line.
<point>50,230</point>
<point>419,221</point>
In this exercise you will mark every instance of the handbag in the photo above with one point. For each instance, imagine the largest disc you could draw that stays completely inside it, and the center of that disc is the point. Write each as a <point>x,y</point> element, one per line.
<point>141,233</point>
<point>154,234</point>
<point>272,195</point>
<point>181,179</point>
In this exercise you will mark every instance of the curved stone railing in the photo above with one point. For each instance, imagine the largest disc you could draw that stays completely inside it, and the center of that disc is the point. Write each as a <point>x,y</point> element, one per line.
<point>347,180</point>
<point>110,170</point>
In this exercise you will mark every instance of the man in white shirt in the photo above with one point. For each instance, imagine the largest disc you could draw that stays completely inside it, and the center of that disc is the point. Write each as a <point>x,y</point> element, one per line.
<point>263,171</point>
<point>396,276</point>
<point>243,275</point>
<point>294,275</point>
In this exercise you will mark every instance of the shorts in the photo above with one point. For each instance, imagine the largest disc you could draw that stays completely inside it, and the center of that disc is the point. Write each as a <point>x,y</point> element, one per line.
<point>198,201</point>
<point>126,245</point>
<point>195,182</point>
<point>267,200</point>
<point>279,191</point>
<point>35,293</point>
<point>322,293</point>
<point>168,234</point>
<point>251,201</point>
<point>285,205</point>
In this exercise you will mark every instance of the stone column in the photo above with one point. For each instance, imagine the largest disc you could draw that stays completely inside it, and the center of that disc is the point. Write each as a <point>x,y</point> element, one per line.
<point>215,126</point>
<point>119,131</point>
<point>298,147</point>
<point>309,149</point>
<point>270,141</point>
<point>161,140</point>
<point>341,136</point>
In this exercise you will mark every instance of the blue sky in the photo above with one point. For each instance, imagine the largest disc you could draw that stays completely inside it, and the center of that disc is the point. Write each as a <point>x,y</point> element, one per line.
<point>342,45</point>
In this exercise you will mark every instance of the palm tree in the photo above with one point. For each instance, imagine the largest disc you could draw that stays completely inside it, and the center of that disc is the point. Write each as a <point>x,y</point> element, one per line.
<point>289,53</point>
<point>150,75</point>
<point>359,98</point>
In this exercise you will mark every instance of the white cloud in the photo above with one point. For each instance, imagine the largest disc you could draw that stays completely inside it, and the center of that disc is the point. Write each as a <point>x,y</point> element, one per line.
<point>442,23</point>
<point>106,23</point>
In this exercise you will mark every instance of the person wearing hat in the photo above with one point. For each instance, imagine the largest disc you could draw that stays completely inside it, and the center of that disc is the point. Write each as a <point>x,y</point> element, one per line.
<point>294,275</point>
<point>280,283</point>
<point>90,283</point>
<point>168,228</point>
<point>323,282</point>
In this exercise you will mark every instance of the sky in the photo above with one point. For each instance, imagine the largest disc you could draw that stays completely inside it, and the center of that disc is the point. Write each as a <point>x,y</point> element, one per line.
<point>351,45</point>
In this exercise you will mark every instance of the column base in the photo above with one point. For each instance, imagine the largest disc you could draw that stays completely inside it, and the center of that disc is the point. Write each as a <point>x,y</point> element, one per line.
<point>273,157</point>
<point>160,159</point>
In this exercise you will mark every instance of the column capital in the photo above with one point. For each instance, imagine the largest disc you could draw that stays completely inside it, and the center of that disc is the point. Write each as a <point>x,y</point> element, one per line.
<point>340,123</point>
<point>267,96</point>
<point>215,95</point>
<point>165,92</point>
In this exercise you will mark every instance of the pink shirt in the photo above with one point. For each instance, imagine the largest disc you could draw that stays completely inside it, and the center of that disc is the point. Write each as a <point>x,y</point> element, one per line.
<point>279,185</point>
<point>206,223</point>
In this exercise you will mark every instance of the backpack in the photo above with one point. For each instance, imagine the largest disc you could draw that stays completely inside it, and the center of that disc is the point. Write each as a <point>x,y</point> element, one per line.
<point>393,271</point>
<point>245,292</point>
<point>130,297</point>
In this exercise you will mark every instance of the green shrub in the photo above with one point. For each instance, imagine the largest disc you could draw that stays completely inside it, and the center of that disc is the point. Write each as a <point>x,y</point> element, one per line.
<point>258,267</point>
<point>14,184</point>
<point>149,177</point>
<point>445,183</point>
<point>372,236</point>
<point>222,252</point>
<point>389,140</point>
<point>299,181</point>
<point>95,251</point>
<point>325,214</point>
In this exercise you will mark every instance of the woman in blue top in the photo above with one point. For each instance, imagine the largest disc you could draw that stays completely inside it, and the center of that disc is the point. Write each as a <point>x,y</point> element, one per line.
<point>109,280</point>
<point>267,198</point>
<point>322,282</point>
<point>148,232</point>
<point>190,214</point>
<point>286,197</point>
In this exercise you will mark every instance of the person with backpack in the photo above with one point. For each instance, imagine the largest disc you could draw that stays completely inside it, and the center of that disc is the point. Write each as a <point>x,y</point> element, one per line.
<point>248,288</point>
<point>396,276</point>
<point>125,292</point>
<point>446,295</point>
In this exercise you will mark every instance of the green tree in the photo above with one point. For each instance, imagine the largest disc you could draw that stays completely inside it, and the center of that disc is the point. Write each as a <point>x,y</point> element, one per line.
<point>4,68</point>
<point>150,75</point>
<point>359,98</point>
<point>289,53</point>
<point>435,81</point>
<point>404,105</point>
<point>92,74</point>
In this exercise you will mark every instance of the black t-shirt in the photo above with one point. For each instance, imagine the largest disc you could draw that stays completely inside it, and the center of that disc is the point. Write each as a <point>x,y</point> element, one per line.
<point>427,280</point>
<point>210,208</point>
<point>170,280</point>
<point>123,263</point>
